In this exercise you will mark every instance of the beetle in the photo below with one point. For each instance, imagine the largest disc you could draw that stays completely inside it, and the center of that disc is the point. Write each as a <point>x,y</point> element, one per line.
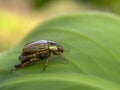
<point>37,51</point>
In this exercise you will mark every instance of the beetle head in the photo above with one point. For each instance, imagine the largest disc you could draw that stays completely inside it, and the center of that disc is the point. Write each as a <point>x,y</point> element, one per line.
<point>60,48</point>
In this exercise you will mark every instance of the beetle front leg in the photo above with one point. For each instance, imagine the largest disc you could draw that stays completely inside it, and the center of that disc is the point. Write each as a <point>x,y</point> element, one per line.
<point>64,59</point>
<point>46,63</point>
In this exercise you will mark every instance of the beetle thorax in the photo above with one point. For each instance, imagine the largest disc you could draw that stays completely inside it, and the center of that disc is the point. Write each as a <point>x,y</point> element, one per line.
<point>53,48</point>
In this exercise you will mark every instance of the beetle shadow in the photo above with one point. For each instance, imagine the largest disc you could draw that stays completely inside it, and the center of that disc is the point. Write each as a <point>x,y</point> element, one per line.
<point>53,60</point>
<point>39,65</point>
<point>58,60</point>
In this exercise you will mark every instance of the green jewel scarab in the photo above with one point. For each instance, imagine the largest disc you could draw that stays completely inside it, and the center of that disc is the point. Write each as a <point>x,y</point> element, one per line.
<point>37,51</point>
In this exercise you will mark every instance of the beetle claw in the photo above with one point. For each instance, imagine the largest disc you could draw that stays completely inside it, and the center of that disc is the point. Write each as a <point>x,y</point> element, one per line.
<point>14,69</point>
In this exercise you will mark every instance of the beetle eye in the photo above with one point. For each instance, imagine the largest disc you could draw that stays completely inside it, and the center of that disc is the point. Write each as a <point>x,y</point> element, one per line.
<point>60,48</point>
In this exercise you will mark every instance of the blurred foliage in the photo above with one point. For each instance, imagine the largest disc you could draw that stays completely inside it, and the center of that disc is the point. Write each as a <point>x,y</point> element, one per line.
<point>12,29</point>
<point>38,4</point>
<point>99,3</point>
<point>11,25</point>
<point>105,5</point>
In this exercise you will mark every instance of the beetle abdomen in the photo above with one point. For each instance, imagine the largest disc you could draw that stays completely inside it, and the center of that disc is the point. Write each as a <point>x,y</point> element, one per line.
<point>43,56</point>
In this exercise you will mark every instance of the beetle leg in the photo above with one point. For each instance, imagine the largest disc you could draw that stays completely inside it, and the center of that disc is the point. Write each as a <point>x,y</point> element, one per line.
<point>20,66</point>
<point>24,64</point>
<point>46,63</point>
<point>13,69</point>
<point>64,59</point>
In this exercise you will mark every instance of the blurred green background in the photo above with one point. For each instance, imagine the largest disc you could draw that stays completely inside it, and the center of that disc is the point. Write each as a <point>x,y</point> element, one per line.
<point>18,17</point>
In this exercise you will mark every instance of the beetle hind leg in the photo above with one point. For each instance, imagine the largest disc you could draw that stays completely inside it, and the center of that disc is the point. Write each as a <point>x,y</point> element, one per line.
<point>18,66</point>
<point>13,69</point>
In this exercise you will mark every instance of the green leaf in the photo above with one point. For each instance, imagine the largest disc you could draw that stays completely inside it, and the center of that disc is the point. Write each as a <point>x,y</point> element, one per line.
<point>94,57</point>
